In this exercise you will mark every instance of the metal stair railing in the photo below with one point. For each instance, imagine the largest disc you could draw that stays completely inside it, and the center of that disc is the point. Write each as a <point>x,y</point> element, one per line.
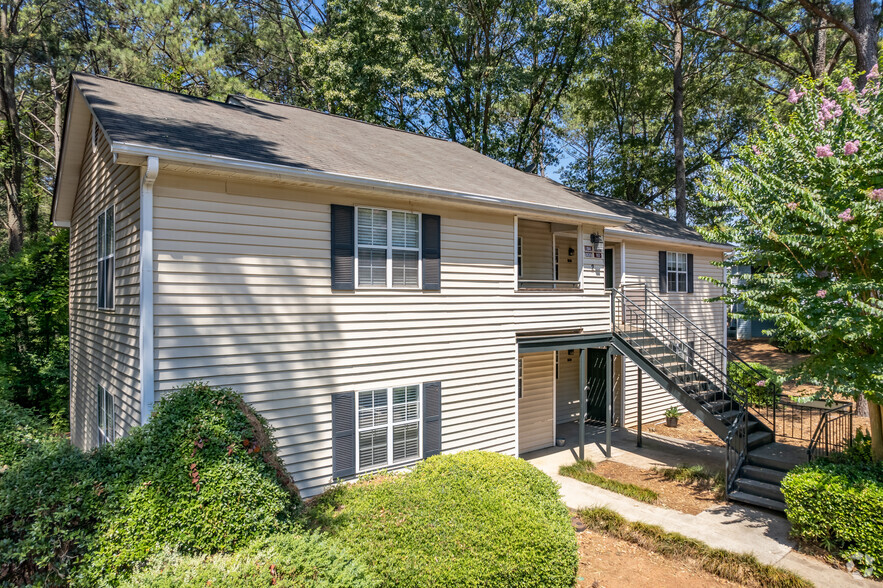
<point>695,347</point>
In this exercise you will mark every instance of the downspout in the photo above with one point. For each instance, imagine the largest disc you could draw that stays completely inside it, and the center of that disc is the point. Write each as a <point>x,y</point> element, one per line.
<point>145,322</point>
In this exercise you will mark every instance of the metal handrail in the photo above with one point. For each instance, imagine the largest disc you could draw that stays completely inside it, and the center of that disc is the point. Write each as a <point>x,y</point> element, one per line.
<point>733,472</point>
<point>739,396</point>
<point>824,424</point>
<point>723,349</point>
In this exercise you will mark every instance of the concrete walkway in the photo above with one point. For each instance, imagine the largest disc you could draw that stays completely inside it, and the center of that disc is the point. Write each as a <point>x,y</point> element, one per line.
<point>733,527</point>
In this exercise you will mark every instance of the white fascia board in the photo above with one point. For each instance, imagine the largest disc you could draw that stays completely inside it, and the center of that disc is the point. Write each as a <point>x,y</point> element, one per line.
<point>359,182</point>
<point>636,236</point>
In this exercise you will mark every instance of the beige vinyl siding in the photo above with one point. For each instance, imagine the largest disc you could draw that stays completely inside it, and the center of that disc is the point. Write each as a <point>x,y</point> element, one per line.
<point>536,407</point>
<point>243,299</point>
<point>567,388</point>
<point>642,267</point>
<point>104,344</point>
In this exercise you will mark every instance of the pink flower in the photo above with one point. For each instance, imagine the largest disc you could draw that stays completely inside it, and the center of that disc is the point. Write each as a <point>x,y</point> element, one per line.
<point>792,206</point>
<point>877,194</point>
<point>761,383</point>
<point>794,96</point>
<point>756,150</point>
<point>845,86</point>
<point>829,110</point>
<point>821,293</point>
<point>860,110</point>
<point>874,73</point>
<point>846,215</point>
<point>824,151</point>
<point>851,147</point>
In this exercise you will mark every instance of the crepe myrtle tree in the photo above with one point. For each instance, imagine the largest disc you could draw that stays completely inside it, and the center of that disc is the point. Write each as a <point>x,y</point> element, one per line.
<point>803,203</point>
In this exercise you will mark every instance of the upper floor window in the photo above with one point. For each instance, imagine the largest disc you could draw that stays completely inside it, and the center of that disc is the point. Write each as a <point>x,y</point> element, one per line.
<point>106,251</point>
<point>388,248</point>
<point>676,271</point>
<point>106,416</point>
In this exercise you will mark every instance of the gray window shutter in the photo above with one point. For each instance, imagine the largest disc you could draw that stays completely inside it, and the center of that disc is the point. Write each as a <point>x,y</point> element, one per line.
<point>690,273</point>
<point>431,419</point>
<point>431,252</point>
<point>343,433</point>
<point>343,255</point>
<point>663,273</point>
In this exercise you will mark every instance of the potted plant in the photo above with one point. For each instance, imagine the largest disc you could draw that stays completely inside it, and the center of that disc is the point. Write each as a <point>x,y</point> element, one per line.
<point>671,416</point>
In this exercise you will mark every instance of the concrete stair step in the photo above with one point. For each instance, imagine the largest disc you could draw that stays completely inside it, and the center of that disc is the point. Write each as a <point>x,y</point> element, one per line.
<point>758,488</point>
<point>747,498</point>
<point>758,438</point>
<point>762,474</point>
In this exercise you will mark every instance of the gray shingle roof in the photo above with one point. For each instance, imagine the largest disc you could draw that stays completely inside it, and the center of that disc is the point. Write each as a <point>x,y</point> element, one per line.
<point>270,133</point>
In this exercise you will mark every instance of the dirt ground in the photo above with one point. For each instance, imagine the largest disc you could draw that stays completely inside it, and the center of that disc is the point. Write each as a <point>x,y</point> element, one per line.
<point>606,562</point>
<point>689,429</point>
<point>761,351</point>
<point>687,498</point>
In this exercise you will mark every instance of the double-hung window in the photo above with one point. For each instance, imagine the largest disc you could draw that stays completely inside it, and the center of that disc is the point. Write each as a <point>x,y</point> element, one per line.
<point>388,248</point>
<point>106,251</point>
<point>676,271</point>
<point>388,422</point>
<point>106,416</point>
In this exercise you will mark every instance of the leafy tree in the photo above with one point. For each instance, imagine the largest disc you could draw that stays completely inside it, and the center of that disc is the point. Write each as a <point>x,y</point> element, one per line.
<point>34,327</point>
<point>808,195</point>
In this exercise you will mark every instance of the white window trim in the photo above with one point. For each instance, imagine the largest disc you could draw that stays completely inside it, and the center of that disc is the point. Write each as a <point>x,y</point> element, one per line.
<point>389,249</point>
<point>110,257</point>
<point>677,273</point>
<point>389,428</point>
<point>106,434</point>
<point>519,255</point>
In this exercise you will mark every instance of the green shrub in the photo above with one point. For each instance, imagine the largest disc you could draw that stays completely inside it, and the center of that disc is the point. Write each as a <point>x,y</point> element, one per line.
<point>50,503</point>
<point>21,431</point>
<point>201,477</point>
<point>467,519</point>
<point>837,506</point>
<point>284,561</point>
<point>762,384</point>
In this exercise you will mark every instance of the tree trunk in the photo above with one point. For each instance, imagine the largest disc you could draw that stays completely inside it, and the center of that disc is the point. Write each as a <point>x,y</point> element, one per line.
<point>866,41</point>
<point>819,49</point>
<point>13,167</point>
<point>678,121</point>
<point>876,430</point>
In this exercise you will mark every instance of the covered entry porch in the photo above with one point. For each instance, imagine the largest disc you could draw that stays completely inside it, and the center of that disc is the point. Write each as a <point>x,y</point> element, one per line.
<point>568,386</point>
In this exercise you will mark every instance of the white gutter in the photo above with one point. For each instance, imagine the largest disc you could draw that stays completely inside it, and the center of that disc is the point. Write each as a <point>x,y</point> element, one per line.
<point>346,180</point>
<point>626,234</point>
<point>145,314</point>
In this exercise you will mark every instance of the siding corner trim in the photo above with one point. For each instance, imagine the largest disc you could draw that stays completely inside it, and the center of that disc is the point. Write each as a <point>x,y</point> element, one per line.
<point>145,322</point>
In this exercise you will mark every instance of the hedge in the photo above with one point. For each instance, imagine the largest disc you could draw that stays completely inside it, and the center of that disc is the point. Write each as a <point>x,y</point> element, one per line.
<point>749,375</point>
<point>201,477</point>
<point>21,431</point>
<point>283,561</point>
<point>838,506</point>
<point>466,519</point>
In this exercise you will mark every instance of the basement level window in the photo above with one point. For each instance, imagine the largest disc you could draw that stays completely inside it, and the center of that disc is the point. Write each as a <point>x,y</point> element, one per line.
<point>388,426</point>
<point>106,416</point>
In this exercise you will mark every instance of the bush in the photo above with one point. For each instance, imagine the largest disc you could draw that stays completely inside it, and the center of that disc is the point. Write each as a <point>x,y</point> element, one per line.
<point>467,519</point>
<point>21,431</point>
<point>201,477</point>
<point>284,560</point>
<point>34,354</point>
<point>761,383</point>
<point>837,506</point>
<point>50,503</point>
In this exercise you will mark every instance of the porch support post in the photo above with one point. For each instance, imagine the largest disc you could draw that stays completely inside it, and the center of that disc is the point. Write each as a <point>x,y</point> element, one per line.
<point>640,406</point>
<point>609,373</point>
<point>583,376</point>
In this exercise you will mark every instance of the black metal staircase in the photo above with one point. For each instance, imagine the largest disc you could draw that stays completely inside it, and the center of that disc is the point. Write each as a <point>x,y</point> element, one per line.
<point>693,367</point>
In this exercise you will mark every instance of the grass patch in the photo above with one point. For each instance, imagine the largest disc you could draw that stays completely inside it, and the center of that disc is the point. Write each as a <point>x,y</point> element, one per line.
<point>696,475</point>
<point>740,568</point>
<point>582,471</point>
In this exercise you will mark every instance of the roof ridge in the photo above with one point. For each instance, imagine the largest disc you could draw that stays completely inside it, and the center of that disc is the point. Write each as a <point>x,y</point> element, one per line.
<point>143,87</point>
<point>347,118</point>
